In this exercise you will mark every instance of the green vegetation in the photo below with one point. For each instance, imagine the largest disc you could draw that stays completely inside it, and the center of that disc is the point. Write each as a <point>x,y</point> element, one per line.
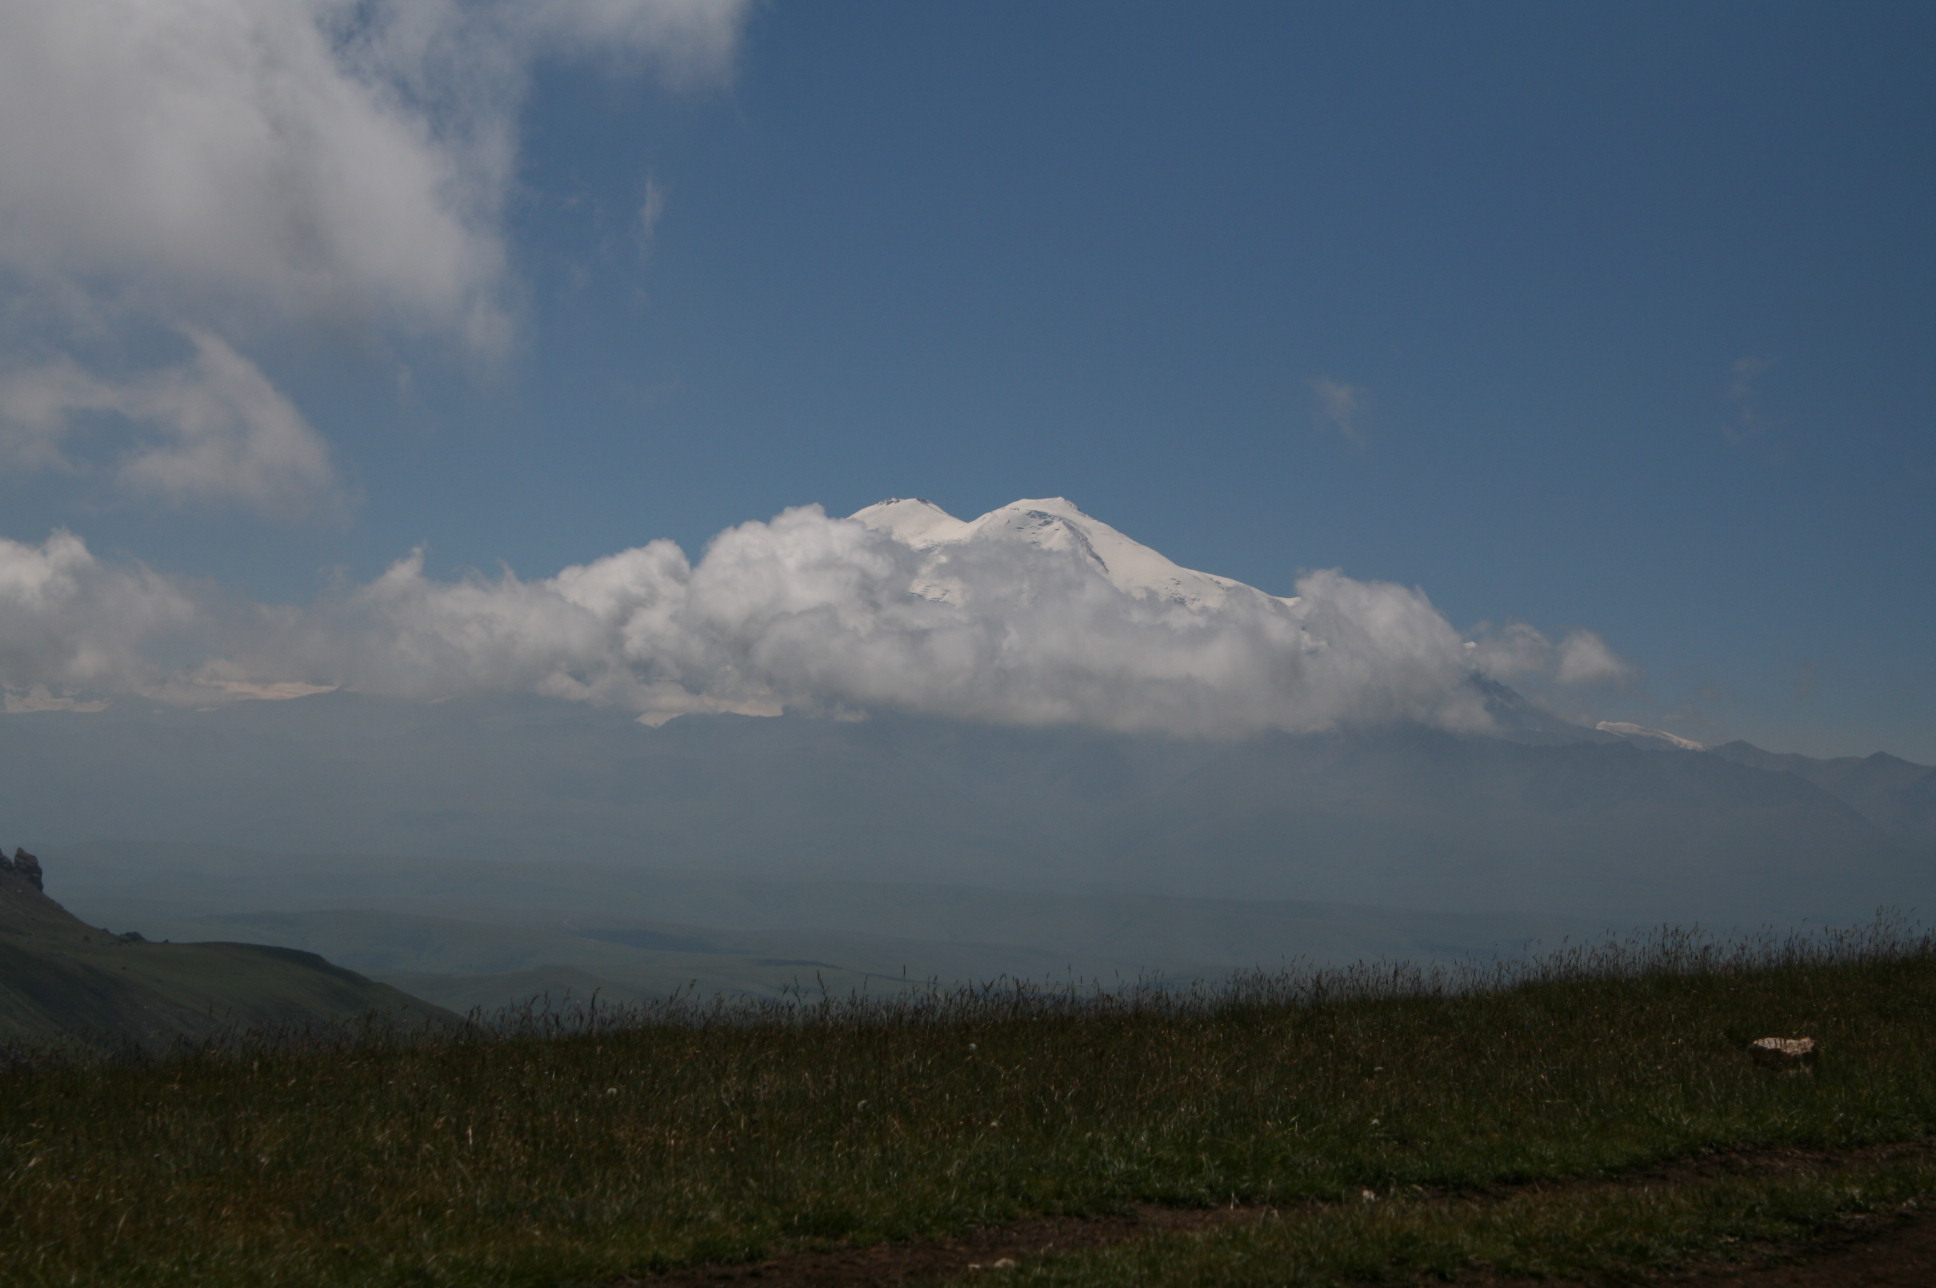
<point>1493,1116</point>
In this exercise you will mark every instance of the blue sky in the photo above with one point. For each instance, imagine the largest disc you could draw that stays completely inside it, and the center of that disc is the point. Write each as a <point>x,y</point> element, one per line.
<point>1605,316</point>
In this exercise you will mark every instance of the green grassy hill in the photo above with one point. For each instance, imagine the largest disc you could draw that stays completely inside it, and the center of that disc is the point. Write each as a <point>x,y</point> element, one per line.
<point>62,980</point>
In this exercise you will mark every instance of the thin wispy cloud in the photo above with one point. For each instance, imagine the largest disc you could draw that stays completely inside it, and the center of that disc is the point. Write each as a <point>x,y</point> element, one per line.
<point>1744,421</point>
<point>1339,407</point>
<point>650,210</point>
<point>211,430</point>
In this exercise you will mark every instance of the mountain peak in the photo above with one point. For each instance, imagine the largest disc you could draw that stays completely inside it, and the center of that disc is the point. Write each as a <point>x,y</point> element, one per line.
<point>1059,506</point>
<point>912,521</point>
<point>1052,523</point>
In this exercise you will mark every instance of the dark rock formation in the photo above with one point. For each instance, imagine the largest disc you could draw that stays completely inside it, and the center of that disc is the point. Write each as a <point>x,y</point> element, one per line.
<point>24,865</point>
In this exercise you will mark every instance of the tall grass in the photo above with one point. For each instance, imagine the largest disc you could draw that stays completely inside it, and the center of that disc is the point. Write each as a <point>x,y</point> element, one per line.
<point>572,1146</point>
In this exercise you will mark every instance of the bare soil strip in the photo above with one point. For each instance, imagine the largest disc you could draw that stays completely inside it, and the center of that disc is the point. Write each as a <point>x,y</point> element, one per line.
<point>1890,1251</point>
<point>1897,1253</point>
<point>887,1265</point>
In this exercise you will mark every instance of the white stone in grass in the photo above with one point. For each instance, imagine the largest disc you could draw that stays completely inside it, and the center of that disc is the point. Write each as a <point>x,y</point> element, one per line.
<point>1784,1053</point>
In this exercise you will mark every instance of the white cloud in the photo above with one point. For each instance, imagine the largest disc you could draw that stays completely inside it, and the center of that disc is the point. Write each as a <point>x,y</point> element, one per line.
<point>70,623</point>
<point>1521,653</point>
<point>302,157</point>
<point>204,154</point>
<point>814,613</point>
<point>821,614</point>
<point>1514,653</point>
<point>1584,658</point>
<point>805,612</point>
<point>224,165</point>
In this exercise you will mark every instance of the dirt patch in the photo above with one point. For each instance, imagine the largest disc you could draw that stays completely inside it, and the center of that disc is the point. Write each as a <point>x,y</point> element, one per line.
<point>1874,1252</point>
<point>1899,1252</point>
<point>1896,1251</point>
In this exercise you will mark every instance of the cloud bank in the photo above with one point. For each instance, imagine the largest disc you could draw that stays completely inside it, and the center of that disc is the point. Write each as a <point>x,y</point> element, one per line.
<point>208,168</point>
<point>1026,616</point>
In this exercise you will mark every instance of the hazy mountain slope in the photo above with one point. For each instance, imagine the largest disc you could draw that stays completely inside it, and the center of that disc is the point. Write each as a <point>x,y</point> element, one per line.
<point>1394,817</point>
<point>1893,793</point>
<point>61,979</point>
<point>1428,819</point>
<point>461,930</point>
<point>887,799</point>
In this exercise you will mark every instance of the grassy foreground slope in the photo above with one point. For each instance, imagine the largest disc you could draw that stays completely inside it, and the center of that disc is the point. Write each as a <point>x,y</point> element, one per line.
<point>63,980</point>
<point>735,1133</point>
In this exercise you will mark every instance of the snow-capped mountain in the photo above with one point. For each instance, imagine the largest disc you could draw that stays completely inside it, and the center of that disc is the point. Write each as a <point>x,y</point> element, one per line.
<point>1339,651</point>
<point>1050,523</point>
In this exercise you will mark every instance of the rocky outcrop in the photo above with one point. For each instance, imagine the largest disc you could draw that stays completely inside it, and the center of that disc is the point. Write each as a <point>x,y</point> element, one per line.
<point>64,983</point>
<point>23,865</point>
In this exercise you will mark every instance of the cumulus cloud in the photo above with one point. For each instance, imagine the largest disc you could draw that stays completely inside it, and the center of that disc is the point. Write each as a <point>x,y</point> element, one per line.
<point>69,622</point>
<point>813,614</point>
<point>230,164</point>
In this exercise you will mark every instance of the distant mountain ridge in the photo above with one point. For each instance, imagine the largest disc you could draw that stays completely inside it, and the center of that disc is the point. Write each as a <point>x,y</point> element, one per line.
<point>1894,794</point>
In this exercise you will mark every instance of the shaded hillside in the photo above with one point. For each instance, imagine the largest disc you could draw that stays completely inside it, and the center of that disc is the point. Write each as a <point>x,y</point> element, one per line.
<point>63,980</point>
